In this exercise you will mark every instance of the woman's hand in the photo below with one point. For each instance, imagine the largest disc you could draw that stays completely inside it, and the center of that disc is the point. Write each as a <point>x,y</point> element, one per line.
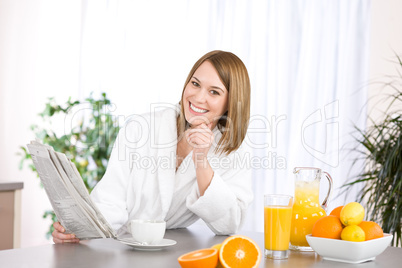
<point>60,237</point>
<point>200,138</point>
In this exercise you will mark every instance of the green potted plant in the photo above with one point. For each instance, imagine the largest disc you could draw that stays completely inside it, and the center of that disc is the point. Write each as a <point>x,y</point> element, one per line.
<point>88,141</point>
<point>381,174</point>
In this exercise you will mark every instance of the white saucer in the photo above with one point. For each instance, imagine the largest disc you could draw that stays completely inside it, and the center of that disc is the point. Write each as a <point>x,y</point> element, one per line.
<point>132,243</point>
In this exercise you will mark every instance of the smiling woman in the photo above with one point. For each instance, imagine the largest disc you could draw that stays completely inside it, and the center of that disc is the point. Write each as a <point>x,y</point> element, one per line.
<point>209,129</point>
<point>217,91</point>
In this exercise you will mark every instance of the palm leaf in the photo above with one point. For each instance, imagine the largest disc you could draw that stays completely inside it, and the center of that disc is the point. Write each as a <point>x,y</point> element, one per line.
<point>380,146</point>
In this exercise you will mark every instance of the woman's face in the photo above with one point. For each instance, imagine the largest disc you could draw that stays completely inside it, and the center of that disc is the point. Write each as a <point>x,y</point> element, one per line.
<point>205,98</point>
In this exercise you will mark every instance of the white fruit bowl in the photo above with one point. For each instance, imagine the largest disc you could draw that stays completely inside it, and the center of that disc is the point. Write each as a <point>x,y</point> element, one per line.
<point>347,251</point>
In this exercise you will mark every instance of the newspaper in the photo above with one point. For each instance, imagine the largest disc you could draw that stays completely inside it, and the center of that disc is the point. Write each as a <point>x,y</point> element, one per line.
<point>68,195</point>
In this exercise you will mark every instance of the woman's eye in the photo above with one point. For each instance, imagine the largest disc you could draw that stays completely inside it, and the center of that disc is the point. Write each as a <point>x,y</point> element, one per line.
<point>214,92</point>
<point>195,84</point>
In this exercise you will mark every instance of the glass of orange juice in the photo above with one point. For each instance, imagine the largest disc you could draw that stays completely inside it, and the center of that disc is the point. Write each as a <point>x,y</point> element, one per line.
<point>277,222</point>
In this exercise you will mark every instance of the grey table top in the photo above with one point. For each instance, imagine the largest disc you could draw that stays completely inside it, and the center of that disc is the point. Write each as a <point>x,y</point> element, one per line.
<point>101,253</point>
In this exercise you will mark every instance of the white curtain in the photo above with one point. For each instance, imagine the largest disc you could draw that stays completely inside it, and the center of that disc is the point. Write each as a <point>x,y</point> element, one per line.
<point>307,62</point>
<point>308,66</point>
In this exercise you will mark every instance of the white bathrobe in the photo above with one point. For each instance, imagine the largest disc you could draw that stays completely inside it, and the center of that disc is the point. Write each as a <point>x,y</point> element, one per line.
<point>141,181</point>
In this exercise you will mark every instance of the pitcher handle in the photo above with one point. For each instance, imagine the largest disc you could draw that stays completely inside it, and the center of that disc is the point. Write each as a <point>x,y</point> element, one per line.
<point>325,202</point>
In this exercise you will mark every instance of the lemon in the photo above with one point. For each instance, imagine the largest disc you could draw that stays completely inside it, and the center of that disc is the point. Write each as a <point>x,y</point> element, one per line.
<point>353,233</point>
<point>217,246</point>
<point>352,214</point>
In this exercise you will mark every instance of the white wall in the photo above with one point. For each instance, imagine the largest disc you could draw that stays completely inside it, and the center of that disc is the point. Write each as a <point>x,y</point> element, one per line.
<point>24,37</point>
<point>385,41</point>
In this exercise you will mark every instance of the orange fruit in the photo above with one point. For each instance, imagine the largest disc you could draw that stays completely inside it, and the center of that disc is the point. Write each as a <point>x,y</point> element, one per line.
<point>371,229</point>
<point>239,251</point>
<point>202,258</point>
<point>218,247</point>
<point>336,211</point>
<point>328,227</point>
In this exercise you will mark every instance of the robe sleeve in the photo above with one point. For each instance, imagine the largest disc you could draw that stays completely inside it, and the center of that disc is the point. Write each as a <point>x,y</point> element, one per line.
<point>223,205</point>
<point>110,194</point>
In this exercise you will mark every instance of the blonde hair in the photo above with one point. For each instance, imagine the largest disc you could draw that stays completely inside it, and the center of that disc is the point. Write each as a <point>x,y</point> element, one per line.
<point>234,76</point>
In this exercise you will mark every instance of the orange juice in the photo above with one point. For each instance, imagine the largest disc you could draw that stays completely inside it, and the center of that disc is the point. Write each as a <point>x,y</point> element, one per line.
<point>306,211</point>
<point>277,227</point>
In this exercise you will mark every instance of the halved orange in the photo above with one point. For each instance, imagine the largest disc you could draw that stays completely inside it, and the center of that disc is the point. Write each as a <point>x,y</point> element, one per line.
<point>201,258</point>
<point>239,251</point>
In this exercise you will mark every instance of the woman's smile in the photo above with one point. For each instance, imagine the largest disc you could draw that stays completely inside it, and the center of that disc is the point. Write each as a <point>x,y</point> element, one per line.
<point>197,110</point>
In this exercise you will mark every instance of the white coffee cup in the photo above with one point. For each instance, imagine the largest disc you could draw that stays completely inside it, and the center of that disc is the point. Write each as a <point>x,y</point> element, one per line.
<point>147,232</point>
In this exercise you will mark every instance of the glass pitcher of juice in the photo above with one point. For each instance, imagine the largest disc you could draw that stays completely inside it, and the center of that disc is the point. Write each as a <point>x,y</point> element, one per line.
<point>307,208</point>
